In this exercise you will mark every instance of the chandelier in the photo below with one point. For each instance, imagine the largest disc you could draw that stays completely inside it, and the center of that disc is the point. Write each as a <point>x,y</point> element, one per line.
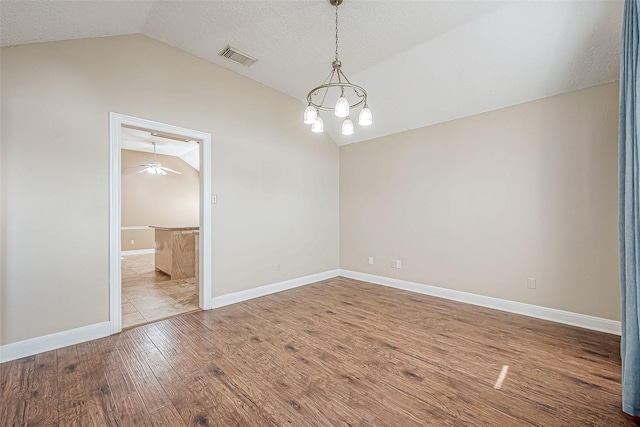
<point>337,83</point>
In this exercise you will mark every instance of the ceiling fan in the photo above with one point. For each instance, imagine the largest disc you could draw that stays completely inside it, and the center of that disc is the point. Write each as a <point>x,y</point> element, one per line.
<point>155,167</point>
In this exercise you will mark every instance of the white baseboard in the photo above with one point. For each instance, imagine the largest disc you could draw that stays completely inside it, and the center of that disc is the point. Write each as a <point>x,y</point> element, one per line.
<point>37,345</point>
<point>552,314</point>
<point>53,341</point>
<point>236,297</point>
<point>138,252</point>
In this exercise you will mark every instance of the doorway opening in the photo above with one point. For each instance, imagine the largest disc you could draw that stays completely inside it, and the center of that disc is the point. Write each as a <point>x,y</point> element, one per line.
<point>160,262</point>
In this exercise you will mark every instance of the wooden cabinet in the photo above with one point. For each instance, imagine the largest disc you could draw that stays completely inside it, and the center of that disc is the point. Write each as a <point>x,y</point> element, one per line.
<point>197,251</point>
<point>176,251</point>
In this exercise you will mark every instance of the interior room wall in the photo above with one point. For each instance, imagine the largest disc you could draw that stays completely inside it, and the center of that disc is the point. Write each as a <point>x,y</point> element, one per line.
<point>277,183</point>
<point>483,203</point>
<point>171,200</point>
<point>143,240</point>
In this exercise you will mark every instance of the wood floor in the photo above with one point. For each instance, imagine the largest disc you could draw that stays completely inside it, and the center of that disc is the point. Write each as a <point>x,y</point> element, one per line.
<point>149,295</point>
<point>335,353</point>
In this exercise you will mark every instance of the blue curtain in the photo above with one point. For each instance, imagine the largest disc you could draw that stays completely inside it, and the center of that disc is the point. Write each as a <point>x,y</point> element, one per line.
<point>629,214</point>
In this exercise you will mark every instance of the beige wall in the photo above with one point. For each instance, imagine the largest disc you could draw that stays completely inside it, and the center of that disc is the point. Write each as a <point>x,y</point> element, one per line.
<point>277,183</point>
<point>143,239</point>
<point>171,200</point>
<point>482,203</point>
<point>477,204</point>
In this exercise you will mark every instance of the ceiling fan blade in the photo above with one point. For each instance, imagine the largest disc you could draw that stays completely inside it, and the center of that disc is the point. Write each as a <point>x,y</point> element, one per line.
<point>143,170</point>
<point>170,170</point>
<point>161,172</point>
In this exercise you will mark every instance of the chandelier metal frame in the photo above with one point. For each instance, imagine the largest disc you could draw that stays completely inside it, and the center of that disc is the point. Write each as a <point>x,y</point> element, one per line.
<point>359,90</point>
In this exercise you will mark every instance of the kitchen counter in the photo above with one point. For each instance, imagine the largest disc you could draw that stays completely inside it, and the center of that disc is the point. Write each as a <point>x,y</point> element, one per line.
<point>174,228</point>
<point>175,251</point>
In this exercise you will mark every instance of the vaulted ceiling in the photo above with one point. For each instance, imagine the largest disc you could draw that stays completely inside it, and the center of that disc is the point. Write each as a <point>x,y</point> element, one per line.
<point>148,142</point>
<point>421,62</point>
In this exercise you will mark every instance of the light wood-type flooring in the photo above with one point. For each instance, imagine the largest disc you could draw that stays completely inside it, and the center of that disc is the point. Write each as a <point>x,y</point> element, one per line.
<point>149,295</point>
<point>335,353</point>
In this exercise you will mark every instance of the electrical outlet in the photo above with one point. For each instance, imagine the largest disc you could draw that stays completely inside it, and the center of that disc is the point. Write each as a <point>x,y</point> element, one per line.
<point>133,242</point>
<point>531,283</point>
<point>371,260</point>
<point>398,263</point>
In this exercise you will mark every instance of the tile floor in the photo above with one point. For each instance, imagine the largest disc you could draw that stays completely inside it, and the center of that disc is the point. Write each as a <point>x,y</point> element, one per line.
<point>149,295</point>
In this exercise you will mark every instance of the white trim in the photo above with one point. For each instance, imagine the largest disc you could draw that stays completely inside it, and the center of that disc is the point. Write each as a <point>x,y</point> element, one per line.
<point>116,121</point>
<point>206,282</point>
<point>236,297</point>
<point>136,227</point>
<point>552,314</point>
<point>138,252</point>
<point>115,223</point>
<point>37,345</point>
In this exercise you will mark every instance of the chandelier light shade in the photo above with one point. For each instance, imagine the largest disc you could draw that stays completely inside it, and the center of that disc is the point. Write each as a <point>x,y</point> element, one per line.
<point>347,127</point>
<point>318,125</point>
<point>310,115</point>
<point>342,107</point>
<point>365,118</point>
<point>337,94</point>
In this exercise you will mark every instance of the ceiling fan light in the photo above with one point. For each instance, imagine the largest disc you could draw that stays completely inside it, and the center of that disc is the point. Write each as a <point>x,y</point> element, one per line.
<point>155,167</point>
<point>347,127</point>
<point>342,107</point>
<point>310,115</point>
<point>365,118</point>
<point>318,125</point>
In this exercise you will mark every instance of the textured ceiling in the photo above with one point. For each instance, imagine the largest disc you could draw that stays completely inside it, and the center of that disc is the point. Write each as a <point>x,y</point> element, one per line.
<point>421,62</point>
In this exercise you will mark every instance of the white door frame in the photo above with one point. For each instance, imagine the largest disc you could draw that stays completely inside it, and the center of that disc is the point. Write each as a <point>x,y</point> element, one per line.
<point>116,121</point>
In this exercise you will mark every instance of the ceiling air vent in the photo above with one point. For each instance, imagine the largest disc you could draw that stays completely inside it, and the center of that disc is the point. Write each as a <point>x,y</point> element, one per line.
<point>235,55</point>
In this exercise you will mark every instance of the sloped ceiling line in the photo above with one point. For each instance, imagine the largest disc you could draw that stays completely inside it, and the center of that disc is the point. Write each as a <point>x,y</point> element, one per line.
<point>422,62</point>
<point>141,140</point>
